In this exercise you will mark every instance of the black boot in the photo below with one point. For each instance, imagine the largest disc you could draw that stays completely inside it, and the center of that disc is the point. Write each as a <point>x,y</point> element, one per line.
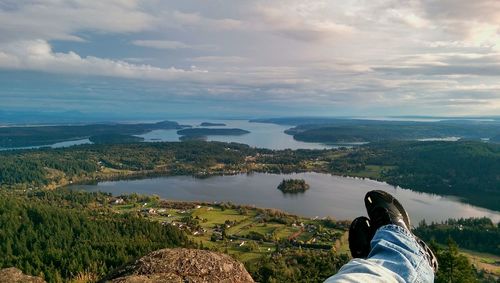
<point>384,209</point>
<point>360,236</point>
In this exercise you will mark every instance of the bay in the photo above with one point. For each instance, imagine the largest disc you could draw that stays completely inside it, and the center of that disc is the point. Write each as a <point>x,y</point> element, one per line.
<point>262,135</point>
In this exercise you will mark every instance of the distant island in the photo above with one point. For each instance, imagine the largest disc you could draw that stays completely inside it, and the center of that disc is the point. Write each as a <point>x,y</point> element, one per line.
<point>337,130</point>
<point>293,186</point>
<point>209,124</point>
<point>201,133</point>
<point>114,139</point>
<point>19,136</point>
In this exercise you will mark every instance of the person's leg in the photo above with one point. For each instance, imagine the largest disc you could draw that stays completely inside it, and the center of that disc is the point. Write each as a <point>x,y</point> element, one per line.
<point>396,254</point>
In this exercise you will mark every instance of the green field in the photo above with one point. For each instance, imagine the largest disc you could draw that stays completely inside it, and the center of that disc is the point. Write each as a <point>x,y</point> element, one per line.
<point>249,233</point>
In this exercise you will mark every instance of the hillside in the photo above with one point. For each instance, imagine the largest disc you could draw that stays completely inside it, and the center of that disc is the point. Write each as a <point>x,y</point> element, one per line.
<point>68,235</point>
<point>61,235</point>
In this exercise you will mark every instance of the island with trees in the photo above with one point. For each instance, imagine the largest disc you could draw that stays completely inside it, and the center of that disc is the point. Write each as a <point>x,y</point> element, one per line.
<point>210,124</point>
<point>202,133</point>
<point>293,186</point>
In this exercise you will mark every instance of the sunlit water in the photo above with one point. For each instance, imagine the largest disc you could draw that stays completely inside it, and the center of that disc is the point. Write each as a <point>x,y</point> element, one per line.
<point>335,196</point>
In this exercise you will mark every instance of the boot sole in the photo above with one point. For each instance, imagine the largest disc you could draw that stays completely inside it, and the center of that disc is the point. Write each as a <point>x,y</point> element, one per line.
<point>389,199</point>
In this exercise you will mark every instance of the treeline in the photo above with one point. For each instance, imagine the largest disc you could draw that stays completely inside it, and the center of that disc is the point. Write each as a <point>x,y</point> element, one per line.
<point>470,170</point>
<point>477,234</point>
<point>57,236</point>
<point>40,167</point>
<point>352,130</point>
<point>114,139</point>
<point>297,266</point>
<point>316,266</point>
<point>455,267</point>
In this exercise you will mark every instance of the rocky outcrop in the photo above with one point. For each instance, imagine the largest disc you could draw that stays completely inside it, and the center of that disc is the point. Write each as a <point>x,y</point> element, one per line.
<point>182,265</point>
<point>14,275</point>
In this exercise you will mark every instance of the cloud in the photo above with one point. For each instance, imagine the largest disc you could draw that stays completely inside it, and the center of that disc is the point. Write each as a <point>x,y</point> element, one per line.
<point>363,54</point>
<point>38,55</point>
<point>162,44</point>
<point>446,64</point>
<point>195,19</point>
<point>49,20</point>
<point>300,21</point>
<point>472,23</point>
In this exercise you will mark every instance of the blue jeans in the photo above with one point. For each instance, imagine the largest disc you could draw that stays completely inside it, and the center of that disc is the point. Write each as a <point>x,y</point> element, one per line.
<point>395,257</point>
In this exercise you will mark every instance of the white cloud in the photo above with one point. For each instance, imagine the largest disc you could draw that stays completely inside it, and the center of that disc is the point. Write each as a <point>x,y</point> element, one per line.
<point>38,55</point>
<point>50,19</point>
<point>365,52</point>
<point>300,20</point>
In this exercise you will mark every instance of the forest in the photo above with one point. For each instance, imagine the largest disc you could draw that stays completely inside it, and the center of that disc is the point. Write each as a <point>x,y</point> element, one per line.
<point>61,235</point>
<point>470,170</point>
<point>477,234</point>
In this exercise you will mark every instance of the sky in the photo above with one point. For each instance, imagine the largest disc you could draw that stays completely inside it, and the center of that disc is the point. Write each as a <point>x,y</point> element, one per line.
<point>250,58</point>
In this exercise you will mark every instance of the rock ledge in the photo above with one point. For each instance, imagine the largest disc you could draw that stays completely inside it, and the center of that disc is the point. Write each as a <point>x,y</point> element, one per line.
<point>182,265</point>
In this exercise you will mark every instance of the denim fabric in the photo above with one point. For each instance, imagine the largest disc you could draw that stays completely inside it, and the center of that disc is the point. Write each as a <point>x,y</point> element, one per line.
<point>395,257</point>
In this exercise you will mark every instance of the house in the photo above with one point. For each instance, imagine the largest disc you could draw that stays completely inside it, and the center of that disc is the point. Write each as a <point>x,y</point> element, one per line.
<point>148,211</point>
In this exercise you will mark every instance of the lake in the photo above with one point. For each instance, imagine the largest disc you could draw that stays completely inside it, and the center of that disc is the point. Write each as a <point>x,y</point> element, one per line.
<point>335,196</point>
<point>261,135</point>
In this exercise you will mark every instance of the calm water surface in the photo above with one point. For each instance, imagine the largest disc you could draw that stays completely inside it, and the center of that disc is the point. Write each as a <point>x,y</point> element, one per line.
<point>261,135</point>
<point>335,196</point>
<point>55,145</point>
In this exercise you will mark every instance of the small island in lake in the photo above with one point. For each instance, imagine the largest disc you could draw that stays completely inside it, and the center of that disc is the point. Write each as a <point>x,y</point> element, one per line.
<point>209,124</point>
<point>293,186</point>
